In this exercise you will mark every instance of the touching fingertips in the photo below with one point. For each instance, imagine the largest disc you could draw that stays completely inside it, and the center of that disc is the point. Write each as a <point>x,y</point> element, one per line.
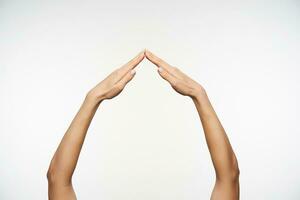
<point>147,53</point>
<point>142,54</point>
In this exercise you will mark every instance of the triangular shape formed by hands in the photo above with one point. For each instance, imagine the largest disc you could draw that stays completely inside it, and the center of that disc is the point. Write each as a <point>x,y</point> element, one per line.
<point>112,85</point>
<point>65,159</point>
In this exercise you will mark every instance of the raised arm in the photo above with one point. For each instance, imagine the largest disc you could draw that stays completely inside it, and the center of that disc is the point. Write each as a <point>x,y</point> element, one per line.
<point>222,155</point>
<point>66,156</point>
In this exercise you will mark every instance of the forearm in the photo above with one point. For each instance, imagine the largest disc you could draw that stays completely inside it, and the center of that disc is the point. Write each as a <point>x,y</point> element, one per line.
<point>221,152</point>
<point>66,156</point>
<point>224,161</point>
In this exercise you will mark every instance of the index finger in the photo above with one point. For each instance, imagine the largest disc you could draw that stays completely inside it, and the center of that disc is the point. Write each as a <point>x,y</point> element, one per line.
<point>122,71</point>
<point>133,63</point>
<point>158,61</point>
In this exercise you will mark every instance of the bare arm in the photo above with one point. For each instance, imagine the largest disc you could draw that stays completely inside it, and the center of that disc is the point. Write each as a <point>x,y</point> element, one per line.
<point>222,155</point>
<point>66,156</point>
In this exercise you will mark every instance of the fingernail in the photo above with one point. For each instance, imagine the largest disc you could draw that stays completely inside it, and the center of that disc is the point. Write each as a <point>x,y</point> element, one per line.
<point>160,69</point>
<point>133,72</point>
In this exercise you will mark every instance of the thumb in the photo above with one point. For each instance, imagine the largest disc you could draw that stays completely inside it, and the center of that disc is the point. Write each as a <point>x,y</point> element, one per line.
<point>166,75</point>
<point>128,77</point>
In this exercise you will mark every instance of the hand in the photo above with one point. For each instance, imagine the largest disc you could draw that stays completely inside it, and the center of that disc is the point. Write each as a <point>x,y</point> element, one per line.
<point>113,84</point>
<point>179,81</point>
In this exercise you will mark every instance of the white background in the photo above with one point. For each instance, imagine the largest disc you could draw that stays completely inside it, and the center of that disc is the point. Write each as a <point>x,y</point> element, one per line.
<point>148,143</point>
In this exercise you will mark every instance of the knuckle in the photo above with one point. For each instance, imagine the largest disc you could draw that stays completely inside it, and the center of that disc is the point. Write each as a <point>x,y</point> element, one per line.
<point>175,83</point>
<point>121,86</point>
<point>118,87</point>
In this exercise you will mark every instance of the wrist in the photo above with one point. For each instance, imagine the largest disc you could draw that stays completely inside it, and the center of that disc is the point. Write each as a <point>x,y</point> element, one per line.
<point>198,94</point>
<point>201,99</point>
<point>89,107</point>
<point>93,98</point>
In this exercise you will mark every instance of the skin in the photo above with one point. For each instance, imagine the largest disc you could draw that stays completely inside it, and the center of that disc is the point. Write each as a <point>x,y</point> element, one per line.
<point>66,156</point>
<point>222,155</point>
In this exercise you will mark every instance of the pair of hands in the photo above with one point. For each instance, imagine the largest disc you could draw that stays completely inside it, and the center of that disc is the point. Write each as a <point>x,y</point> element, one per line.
<point>113,84</point>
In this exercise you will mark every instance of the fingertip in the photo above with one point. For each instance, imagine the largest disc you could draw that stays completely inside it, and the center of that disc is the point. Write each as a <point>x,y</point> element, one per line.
<point>133,72</point>
<point>144,53</point>
<point>140,55</point>
<point>147,53</point>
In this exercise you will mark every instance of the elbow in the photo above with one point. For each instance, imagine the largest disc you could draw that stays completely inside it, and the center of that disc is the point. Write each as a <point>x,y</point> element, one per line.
<point>51,175</point>
<point>235,170</point>
<point>231,173</point>
<point>56,176</point>
<point>51,172</point>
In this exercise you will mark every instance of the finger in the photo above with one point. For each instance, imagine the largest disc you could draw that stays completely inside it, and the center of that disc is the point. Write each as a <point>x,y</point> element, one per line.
<point>158,61</point>
<point>134,62</point>
<point>122,71</point>
<point>128,77</point>
<point>167,76</point>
